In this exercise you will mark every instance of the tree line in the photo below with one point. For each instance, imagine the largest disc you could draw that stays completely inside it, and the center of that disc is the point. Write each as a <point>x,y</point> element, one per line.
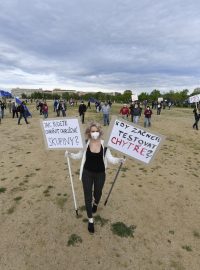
<point>177,97</point>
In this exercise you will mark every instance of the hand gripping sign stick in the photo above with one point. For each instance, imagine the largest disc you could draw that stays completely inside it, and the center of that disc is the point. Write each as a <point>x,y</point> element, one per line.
<point>73,192</point>
<point>113,183</point>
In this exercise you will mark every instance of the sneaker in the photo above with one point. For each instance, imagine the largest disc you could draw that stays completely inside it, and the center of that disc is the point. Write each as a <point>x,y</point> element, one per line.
<point>94,208</point>
<point>91,227</point>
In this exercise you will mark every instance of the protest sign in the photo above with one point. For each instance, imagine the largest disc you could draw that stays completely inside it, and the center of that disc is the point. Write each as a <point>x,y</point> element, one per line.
<point>134,97</point>
<point>132,140</point>
<point>195,98</point>
<point>63,134</point>
<point>160,99</point>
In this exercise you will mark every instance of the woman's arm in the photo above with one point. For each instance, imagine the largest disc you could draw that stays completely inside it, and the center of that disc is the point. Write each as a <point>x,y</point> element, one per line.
<point>112,159</point>
<point>77,155</point>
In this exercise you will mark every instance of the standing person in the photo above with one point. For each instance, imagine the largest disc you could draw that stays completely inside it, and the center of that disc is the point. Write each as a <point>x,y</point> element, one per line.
<point>196,117</point>
<point>169,105</point>
<point>10,106</point>
<point>82,109</point>
<point>88,105</point>
<point>55,103</point>
<point>135,113</point>
<point>92,170</point>
<point>147,117</point>
<point>0,113</point>
<point>22,111</point>
<point>58,108</point>
<point>124,111</point>
<point>159,107</point>
<point>3,107</point>
<point>14,110</point>
<point>106,113</point>
<point>45,110</point>
<point>63,108</point>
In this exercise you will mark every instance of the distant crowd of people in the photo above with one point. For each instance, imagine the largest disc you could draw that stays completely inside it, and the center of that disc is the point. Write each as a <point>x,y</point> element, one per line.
<point>130,112</point>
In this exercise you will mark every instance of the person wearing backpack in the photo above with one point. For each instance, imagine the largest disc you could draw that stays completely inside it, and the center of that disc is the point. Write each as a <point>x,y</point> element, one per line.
<point>92,171</point>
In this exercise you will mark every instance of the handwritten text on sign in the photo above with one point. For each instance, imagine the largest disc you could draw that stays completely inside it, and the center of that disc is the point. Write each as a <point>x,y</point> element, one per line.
<point>133,141</point>
<point>62,133</point>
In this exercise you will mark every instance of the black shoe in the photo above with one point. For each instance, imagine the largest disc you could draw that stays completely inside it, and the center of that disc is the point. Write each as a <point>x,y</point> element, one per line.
<point>94,208</point>
<point>91,227</point>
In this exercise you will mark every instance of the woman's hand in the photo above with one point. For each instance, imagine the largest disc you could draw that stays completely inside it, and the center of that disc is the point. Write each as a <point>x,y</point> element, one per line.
<point>122,160</point>
<point>67,154</point>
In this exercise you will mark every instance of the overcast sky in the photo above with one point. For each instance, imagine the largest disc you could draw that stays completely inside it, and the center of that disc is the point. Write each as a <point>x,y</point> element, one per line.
<point>100,44</point>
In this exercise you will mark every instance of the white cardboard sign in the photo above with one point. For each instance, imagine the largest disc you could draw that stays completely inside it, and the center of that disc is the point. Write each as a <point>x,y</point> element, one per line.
<point>63,133</point>
<point>195,98</point>
<point>132,140</point>
<point>134,97</point>
<point>160,99</point>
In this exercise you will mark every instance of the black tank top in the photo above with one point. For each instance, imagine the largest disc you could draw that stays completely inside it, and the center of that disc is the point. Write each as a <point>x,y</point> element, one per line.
<point>94,161</point>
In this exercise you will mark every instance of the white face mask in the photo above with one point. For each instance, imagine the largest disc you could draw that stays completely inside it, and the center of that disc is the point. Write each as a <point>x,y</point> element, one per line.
<point>95,135</point>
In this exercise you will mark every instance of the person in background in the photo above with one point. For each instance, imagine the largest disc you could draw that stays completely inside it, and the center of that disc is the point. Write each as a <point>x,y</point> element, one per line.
<point>22,111</point>
<point>106,113</point>
<point>14,109</point>
<point>147,117</point>
<point>82,109</point>
<point>169,105</point>
<point>63,108</point>
<point>58,108</point>
<point>0,112</point>
<point>135,113</point>
<point>159,107</point>
<point>88,105</point>
<point>3,107</point>
<point>124,112</point>
<point>55,103</point>
<point>196,113</point>
<point>45,110</point>
<point>92,171</point>
<point>10,106</point>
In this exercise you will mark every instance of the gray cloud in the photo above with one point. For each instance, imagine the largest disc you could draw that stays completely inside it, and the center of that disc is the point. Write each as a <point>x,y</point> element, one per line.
<point>110,45</point>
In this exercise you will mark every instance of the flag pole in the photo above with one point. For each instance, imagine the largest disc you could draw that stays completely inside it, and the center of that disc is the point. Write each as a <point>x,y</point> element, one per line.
<point>72,185</point>
<point>113,183</point>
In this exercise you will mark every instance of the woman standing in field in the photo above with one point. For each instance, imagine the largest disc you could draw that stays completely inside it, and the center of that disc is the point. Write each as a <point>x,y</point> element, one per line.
<point>147,117</point>
<point>196,113</point>
<point>92,170</point>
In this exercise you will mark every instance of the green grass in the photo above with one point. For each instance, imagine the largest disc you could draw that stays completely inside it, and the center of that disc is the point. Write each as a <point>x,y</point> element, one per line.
<point>100,221</point>
<point>186,247</point>
<point>120,229</point>
<point>74,239</point>
<point>60,201</point>
<point>196,234</point>
<point>82,208</point>
<point>124,169</point>
<point>2,189</point>
<point>11,210</point>
<point>85,220</point>
<point>17,198</point>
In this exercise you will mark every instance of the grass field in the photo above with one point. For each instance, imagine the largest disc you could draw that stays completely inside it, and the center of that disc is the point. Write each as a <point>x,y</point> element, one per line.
<point>151,221</point>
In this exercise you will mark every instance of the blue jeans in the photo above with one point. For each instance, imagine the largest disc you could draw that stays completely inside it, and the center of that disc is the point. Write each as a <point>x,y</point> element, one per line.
<point>106,119</point>
<point>136,119</point>
<point>22,114</point>
<point>147,122</point>
<point>45,114</point>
